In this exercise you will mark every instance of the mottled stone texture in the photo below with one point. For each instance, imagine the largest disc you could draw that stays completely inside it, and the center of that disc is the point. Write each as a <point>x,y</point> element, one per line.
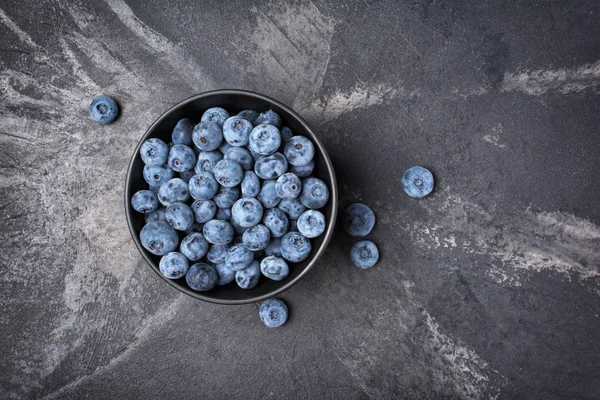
<point>489,288</point>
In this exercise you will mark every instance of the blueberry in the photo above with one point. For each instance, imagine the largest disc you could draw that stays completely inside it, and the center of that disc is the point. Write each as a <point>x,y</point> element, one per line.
<point>293,225</point>
<point>159,238</point>
<point>181,158</point>
<point>104,109</point>
<point>265,139</point>
<point>203,186</point>
<point>223,214</point>
<point>228,173</point>
<point>274,268</point>
<point>187,175</point>
<point>417,182</point>
<point>248,277</point>
<point>217,115</point>
<point>154,189</point>
<point>274,247</point>
<point>273,313</point>
<point>194,246</point>
<point>311,223</point>
<point>207,136</point>
<point>156,215</point>
<point>236,131</point>
<point>255,155</point>
<point>144,201</point>
<point>250,184</point>
<point>196,227</point>
<point>237,227</point>
<point>240,156</point>
<point>359,220</point>
<point>247,212</point>
<point>249,115</point>
<point>271,167</point>
<point>157,175</point>
<point>227,196</point>
<point>269,117</point>
<point>364,254</point>
<point>288,186</point>
<point>315,193</point>
<point>154,152</point>
<point>224,147</point>
<point>295,247</point>
<point>216,253</point>
<point>207,160</point>
<point>256,237</point>
<point>293,208</point>
<point>299,151</point>
<point>218,232</point>
<point>226,274</point>
<point>174,190</point>
<point>180,216</point>
<point>204,210</point>
<point>182,133</point>
<point>304,170</point>
<point>286,134</point>
<point>238,257</point>
<point>268,195</point>
<point>276,221</point>
<point>173,265</point>
<point>202,277</point>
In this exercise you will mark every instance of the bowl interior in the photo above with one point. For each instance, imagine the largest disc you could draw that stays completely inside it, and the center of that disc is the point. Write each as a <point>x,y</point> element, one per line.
<point>233,101</point>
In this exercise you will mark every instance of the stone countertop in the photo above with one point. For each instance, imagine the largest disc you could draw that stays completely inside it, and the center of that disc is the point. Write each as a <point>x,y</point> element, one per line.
<point>489,288</point>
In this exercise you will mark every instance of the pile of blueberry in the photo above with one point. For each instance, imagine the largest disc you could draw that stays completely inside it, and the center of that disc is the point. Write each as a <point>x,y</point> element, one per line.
<point>231,198</point>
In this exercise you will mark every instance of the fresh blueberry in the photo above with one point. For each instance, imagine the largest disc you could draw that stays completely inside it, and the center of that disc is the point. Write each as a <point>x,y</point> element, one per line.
<point>265,139</point>
<point>196,227</point>
<point>223,214</point>
<point>226,274</point>
<point>194,246</point>
<point>174,190</point>
<point>299,151</point>
<point>216,253</point>
<point>286,134</point>
<point>204,210</point>
<point>237,227</point>
<point>236,131</point>
<point>311,223</point>
<point>293,208</point>
<point>144,201</point>
<point>364,254</point>
<point>273,313</point>
<point>104,109</point>
<point>182,133</point>
<point>248,277</point>
<point>240,156</point>
<point>295,247</point>
<point>224,147</point>
<point>271,167</point>
<point>276,221</point>
<point>269,117</point>
<point>202,277</point>
<point>315,193</point>
<point>288,186</point>
<point>227,196</point>
<point>274,247</point>
<point>156,176</point>
<point>304,170</point>
<point>256,237</point>
<point>207,160</point>
<point>181,158</point>
<point>268,195</point>
<point>159,238</point>
<point>207,136</point>
<point>417,182</point>
<point>187,175</point>
<point>250,184</point>
<point>359,220</point>
<point>228,173</point>
<point>180,216</point>
<point>238,257</point>
<point>274,268</point>
<point>249,115</point>
<point>215,114</point>
<point>154,152</point>
<point>173,265</point>
<point>293,225</point>
<point>156,215</point>
<point>247,212</point>
<point>203,186</point>
<point>218,232</point>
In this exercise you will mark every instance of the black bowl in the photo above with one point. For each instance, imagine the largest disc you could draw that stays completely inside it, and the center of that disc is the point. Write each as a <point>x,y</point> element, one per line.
<point>233,101</point>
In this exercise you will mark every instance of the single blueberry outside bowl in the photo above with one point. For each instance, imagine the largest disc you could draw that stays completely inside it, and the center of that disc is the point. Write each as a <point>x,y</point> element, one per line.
<point>233,101</point>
